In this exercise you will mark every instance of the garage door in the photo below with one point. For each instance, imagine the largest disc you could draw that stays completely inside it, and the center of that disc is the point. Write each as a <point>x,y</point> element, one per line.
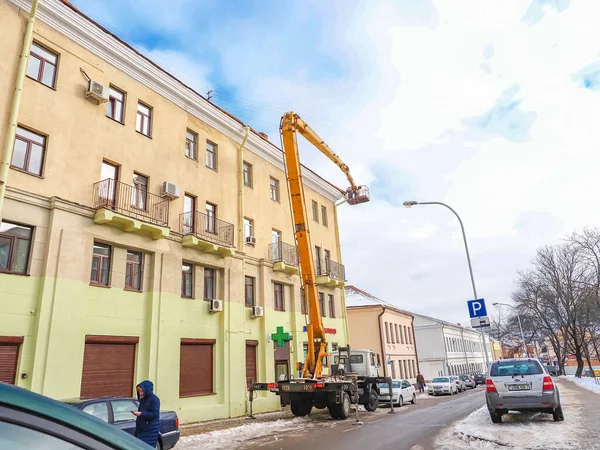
<point>108,366</point>
<point>196,367</point>
<point>251,362</point>
<point>9,357</point>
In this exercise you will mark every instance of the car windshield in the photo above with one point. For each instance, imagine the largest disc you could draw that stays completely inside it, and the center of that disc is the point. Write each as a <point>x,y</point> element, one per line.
<point>440,380</point>
<point>510,368</point>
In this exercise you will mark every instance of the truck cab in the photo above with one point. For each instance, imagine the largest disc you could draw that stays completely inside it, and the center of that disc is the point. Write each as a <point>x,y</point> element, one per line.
<point>363,363</point>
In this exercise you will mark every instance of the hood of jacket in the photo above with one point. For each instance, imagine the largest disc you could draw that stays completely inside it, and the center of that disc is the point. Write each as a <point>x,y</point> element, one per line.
<point>147,387</point>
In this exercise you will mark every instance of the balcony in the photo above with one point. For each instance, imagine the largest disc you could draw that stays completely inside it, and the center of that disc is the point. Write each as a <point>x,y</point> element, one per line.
<point>206,233</point>
<point>130,208</point>
<point>330,273</point>
<point>284,258</point>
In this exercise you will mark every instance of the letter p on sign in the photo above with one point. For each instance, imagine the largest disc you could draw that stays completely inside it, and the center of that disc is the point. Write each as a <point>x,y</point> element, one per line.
<point>477,308</point>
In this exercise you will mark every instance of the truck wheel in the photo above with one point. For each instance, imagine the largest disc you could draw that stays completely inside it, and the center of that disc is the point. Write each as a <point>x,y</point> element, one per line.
<point>340,411</point>
<point>301,408</point>
<point>373,402</point>
<point>558,415</point>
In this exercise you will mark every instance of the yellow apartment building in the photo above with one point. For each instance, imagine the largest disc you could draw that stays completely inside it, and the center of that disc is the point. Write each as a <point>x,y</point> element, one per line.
<point>139,237</point>
<point>384,329</point>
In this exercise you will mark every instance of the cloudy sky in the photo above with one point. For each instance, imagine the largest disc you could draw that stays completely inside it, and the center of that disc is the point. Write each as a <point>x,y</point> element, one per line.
<point>490,106</point>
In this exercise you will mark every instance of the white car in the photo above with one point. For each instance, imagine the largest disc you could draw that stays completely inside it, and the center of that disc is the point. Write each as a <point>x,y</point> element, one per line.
<point>442,385</point>
<point>402,392</point>
<point>460,384</point>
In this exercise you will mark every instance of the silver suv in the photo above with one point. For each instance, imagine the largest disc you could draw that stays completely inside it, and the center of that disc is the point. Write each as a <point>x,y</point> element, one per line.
<point>521,385</point>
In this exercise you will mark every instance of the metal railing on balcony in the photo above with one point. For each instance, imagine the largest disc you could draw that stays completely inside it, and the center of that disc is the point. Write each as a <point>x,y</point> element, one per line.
<point>331,269</point>
<point>206,227</point>
<point>282,252</point>
<point>131,201</point>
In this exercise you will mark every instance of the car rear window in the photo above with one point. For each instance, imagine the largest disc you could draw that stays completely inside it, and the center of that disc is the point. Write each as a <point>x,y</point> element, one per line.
<point>440,380</point>
<point>383,386</point>
<point>510,368</point>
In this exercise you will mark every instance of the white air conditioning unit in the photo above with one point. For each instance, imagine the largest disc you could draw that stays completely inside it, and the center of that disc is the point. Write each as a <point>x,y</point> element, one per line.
<point>97,92</point>
<point>251,240</point>
<point>215,306</point>
<point>170,190</point>
<point>257,311</point>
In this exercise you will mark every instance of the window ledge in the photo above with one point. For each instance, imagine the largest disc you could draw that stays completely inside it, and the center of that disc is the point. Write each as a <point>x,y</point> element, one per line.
<point>43,84</point>
<point>145,135</point>
<point>18,169</point>
<point>133,290</point>
<point>8,272</point>
<point>191,159</point>
<point>101,285</point>
<point>198,395</point>
<point>115,120</point>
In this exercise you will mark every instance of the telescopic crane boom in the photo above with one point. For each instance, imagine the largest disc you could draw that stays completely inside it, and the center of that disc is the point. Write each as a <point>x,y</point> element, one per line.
<point>291,124</point>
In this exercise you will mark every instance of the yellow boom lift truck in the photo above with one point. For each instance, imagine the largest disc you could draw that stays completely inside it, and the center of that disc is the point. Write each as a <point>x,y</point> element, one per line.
<point>354,375</point>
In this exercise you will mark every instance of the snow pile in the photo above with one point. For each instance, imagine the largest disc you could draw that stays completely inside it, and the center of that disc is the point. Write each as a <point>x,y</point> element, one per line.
<point>519,431</point>
<point>236,437</point>
<point>588,383</point>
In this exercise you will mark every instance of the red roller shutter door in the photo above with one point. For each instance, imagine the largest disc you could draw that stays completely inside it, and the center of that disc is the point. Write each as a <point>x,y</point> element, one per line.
<point>196,367</point>
<point>9,357</point>
<point>108,366</point>
<point>251,362</point>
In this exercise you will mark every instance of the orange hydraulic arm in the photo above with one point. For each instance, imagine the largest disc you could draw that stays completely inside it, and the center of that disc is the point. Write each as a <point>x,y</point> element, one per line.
<point>290,124</point>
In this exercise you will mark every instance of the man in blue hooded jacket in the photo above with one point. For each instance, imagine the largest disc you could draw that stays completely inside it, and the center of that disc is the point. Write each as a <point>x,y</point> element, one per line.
<point>147,422</point>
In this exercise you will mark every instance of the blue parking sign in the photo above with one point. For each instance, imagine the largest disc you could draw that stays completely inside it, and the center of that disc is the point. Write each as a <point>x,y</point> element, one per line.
<point>477,308</point>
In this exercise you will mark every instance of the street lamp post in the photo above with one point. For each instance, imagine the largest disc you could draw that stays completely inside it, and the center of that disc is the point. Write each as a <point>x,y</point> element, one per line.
<point>525,353</point>
<point>408,204</point>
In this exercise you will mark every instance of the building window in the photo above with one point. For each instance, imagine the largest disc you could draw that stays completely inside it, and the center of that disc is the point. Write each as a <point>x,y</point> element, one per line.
<point>406,335</point>
<point>139,193</point>
<point>322,304</point>
<point>248,227</point>
<point>189,214</point>
<point>324,215</point>
<point>209,284</point>
<point>398,340</point>
<point>143,121</point>
<point>101,265</point>
<point>41,65</point>
<point>133,271</point>
<point>247,174</point>
<point>387,333</point>
<point>196,367</point>
<point>187,280</point>
<point>315,211</point>
<point>331,306</point>
<point>191,142</point>
<point>211,217</point>
<point>405,368</point>
<point>278,300</point>
<point>115,107</point>
<point>392,333</point>
<point>318,259</point>
<point>327,261</point>
<point>303,307</point>
<point>274,186</point>
<point>15,246</point>
<point>249,291</point>
<point>29,149</point>
<point>211,155</point>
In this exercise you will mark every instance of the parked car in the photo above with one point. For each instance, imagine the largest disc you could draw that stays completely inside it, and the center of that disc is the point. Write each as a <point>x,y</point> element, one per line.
<point>442,385</point>
<point>479,379</point>
<point>117,411</point>
<point>29,420</point>
<point>552,370</point>
<point>460,385</point>
<point>402,391</point>
<point>521,385</point>
<point>469,382</point>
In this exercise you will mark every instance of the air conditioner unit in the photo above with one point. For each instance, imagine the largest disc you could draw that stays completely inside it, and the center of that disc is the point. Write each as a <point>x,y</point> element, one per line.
<point>216,306</point>
<point>97,92</point>
<point>170,190</point>
<point>257,311</point>
<point>251,240</point>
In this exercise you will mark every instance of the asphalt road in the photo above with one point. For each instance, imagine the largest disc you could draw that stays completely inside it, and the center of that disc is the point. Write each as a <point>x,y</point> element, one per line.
<point>412,427</point>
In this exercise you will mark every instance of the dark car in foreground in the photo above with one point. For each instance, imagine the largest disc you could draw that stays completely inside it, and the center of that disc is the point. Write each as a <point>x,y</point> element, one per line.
<point>521,385</point>
<point>117,411</point>
<point>479,379</point>
<point>33,421</point>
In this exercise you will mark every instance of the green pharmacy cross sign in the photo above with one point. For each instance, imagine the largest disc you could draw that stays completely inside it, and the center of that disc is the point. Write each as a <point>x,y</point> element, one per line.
<point>280,337</point>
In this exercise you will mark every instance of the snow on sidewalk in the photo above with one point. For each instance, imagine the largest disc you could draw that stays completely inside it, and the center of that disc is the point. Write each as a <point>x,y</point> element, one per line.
<point>519,431</point>
<point>588,383</point>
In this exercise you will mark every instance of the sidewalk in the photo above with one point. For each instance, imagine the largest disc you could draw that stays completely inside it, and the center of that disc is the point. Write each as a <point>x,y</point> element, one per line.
<point>195,428</point>
<point>587,408</point>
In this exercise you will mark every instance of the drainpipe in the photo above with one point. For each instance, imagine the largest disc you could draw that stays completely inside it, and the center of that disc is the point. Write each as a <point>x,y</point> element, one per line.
<point>339,258</point>
<point>381,341</point>
<point>14,112</point>
<point>241,241</point>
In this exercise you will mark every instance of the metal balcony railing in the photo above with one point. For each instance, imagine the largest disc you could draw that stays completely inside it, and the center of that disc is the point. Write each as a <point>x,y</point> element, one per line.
<point>131,201</point>
<point>207,228</point>
<point>331,269</point>
<point>282,252</point>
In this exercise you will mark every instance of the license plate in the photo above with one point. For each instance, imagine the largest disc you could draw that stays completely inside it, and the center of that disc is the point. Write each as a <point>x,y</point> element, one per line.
<point>519,387</point>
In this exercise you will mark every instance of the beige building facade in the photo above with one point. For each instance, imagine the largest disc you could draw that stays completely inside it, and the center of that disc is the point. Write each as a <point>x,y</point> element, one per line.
<point>384,329</point>
<point>139,239</point>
